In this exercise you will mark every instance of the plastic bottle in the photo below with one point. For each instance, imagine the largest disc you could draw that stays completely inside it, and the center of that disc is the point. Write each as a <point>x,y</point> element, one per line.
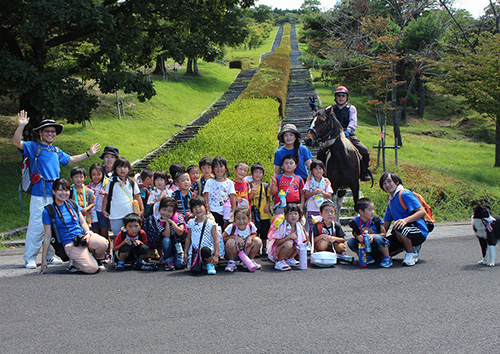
<point>302,256</point>
<point>248,262</point>
<point>226,209</point>
<point>178,248</point>
<point>282,195</point>
<point>345,258</point>
<point>362,255</point>
<point>366,238</point>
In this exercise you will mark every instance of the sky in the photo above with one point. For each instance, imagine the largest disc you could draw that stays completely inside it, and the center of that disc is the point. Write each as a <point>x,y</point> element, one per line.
<point>475,7</point>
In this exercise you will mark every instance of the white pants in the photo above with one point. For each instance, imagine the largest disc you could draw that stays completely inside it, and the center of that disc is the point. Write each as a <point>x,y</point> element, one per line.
<point>34,235</point>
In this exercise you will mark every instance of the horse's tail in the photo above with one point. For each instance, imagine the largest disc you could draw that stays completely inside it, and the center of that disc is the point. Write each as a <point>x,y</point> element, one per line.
<point>371,176</point>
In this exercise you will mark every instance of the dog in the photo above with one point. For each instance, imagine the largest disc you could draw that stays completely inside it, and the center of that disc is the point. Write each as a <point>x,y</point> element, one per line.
<point>487,229</point>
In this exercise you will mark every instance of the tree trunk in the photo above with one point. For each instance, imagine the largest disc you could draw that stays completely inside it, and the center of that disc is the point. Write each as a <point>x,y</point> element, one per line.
<point>189,68</point>
<point>196,72</point>
<point>160,65</point>
<point>497,142</point>
<point>34,114</point>
<point>395,118</point>
<point>421,98</point>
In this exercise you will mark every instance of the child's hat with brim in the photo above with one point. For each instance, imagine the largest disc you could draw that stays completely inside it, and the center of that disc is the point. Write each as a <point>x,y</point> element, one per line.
<point>49,123</point>
<point>288,128</point>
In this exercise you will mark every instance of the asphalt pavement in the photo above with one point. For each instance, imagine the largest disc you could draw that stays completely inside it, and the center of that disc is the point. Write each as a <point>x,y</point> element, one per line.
<point>447,303</point>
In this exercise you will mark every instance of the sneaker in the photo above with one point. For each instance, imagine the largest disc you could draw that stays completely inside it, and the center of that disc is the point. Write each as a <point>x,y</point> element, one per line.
<point>281,265</point>
<point>257,265</point>
<point>120,266</point>
<point>292,262</point>
<point>264,251</point>
<point>231,266</point>
<point>169,266</point>
<point>72,269</point>
<point>416,251</point>
<point>143,265</point>
<point>211,269</point>
<point>107,258</point>
<point>386,262</point>
<point>31,264</point>
<point>54,260</point>
<point>101,266</point>
<point>409,259</point>
<point>369,259</point>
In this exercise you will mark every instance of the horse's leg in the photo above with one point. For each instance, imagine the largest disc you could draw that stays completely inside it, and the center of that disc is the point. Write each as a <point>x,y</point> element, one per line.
<point>338,201</point>
<point>355,193</point>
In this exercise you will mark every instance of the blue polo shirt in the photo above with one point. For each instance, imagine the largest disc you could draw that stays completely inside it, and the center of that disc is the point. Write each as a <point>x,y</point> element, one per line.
<point>396,210</point>
<point>72,227</point>
<point>47,165</point>
<point>304,155</point>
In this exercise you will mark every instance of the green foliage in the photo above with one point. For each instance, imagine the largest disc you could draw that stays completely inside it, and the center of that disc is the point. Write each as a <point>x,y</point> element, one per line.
<point>245,131</point>
<point>421,32</point>
<point>271,79</point>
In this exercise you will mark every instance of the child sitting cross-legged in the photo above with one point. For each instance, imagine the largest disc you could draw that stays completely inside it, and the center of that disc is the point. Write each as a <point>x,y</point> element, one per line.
<point>241,235</point>
<point>328,235</point>
<point>285,234</point>
<point>367,220</point>
<point>130,245</point>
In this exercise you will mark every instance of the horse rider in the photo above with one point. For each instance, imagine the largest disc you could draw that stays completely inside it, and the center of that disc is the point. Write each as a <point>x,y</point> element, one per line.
<point>348,118</point>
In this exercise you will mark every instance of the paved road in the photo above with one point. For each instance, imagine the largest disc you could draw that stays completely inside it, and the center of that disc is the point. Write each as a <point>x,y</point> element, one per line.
<point>446,303</point>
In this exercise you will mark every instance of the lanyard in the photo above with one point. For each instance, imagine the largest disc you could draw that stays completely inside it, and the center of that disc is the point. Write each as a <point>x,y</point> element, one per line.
<point>291,182</point>
<point>123,189</point>
<point>96,190</point>
<point>84,196</point>
<point>182,201</point>
<point>361,226</point>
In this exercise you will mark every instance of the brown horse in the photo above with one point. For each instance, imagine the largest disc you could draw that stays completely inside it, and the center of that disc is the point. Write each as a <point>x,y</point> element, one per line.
<point>342,160</point>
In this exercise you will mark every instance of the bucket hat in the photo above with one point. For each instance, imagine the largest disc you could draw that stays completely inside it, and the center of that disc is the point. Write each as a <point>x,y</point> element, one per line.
<point>49,123</point>
<point>288,128</point>
<point>110,150</point>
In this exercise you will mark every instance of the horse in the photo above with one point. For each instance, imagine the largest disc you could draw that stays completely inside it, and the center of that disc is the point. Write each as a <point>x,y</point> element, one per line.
<point>342,160</point>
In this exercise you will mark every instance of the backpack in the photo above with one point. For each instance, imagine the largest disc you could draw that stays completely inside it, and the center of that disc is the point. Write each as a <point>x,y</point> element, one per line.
<point>428,218</point>
<point>153,230</point>
<point>55,240</point>
<point>355,227</point>
<point>28,177</point>
<point>111,187</point>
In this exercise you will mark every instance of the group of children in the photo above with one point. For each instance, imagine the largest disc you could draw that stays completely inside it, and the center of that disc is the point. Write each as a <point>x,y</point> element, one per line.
<point>198,210</point>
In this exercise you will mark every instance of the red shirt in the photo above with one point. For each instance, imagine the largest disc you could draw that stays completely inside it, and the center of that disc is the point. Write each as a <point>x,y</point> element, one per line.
<point>121,236</point>
<point>293,195</point>
<point>241,189</point>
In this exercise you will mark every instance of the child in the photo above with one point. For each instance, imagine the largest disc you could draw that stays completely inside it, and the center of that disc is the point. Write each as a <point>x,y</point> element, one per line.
<point>122,196</point>
<point>219,191</point>
<point>242,234</point>
<point>327,233</point>
<point>366,220</point>
<point>174,169</point>
<point>173,234</point>
<point>146,187</point>
<point>130,245</point>
<point>261,203</point>
<point>109,156</point>
<point>183,194</point>
<point>202,233</point>
<point>285,235</point>
<point>194,176</point>
<point>81,194</point>
<point>240,185</point>
<point>316,190</point>
<point>205,165</point>
<point>288,185</point>
<point>98,186</point>
<point>160,190</point>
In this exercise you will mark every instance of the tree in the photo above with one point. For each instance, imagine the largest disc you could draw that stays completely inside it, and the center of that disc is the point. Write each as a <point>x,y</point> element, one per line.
<point>474,75</point>
<point>49,49</point>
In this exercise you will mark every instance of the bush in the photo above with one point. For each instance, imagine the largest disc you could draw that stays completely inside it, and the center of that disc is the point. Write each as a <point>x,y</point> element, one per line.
<point>245,131</point>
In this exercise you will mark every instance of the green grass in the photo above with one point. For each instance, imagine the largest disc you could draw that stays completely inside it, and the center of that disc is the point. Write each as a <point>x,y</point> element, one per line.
<point>253,55</point>
<point>146,126</point>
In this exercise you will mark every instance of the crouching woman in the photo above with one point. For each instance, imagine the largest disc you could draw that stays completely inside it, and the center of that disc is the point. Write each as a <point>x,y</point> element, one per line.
<point>70,224</point>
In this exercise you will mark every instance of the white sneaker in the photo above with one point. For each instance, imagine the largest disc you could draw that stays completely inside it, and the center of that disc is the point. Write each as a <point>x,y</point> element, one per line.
<point>409,259</point>
<point>31,264</point>
<point>292,262</point>
<point>416,251</point>
<point>54,260</point>
<point>281,265</point>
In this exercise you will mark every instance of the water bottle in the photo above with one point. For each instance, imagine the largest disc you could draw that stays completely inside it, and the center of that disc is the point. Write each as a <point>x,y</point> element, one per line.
<point>282,195</point>
<point>248,262</point>
<point>366,238</point>
<point>178,249</point>
<point>362,255</point>
<point>226,209</point>
<point>302,256</point>
<point>345,258</point>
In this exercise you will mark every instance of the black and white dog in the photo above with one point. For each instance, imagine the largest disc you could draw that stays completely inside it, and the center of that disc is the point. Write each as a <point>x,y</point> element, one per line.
<point>487,230</point>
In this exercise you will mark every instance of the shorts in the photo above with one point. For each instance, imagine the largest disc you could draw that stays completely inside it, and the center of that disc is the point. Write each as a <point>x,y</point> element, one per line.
<point>101,223</point>
<point>410,231</point>
<point>309,218</point>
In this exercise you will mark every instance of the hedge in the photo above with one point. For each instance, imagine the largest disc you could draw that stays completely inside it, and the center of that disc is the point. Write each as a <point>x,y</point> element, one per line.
<point>245,131</point>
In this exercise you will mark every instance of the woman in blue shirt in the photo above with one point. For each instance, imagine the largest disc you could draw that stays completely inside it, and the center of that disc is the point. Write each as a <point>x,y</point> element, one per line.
<point>290,137</point>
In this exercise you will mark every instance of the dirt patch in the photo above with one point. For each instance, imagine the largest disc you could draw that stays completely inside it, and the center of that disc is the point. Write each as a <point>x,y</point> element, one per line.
<point>431,179</point>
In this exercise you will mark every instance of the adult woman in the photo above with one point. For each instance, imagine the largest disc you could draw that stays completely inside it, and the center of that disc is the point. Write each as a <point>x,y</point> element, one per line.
<point>409,229</point>
<point>290,136</point>
<point>70,223</point>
